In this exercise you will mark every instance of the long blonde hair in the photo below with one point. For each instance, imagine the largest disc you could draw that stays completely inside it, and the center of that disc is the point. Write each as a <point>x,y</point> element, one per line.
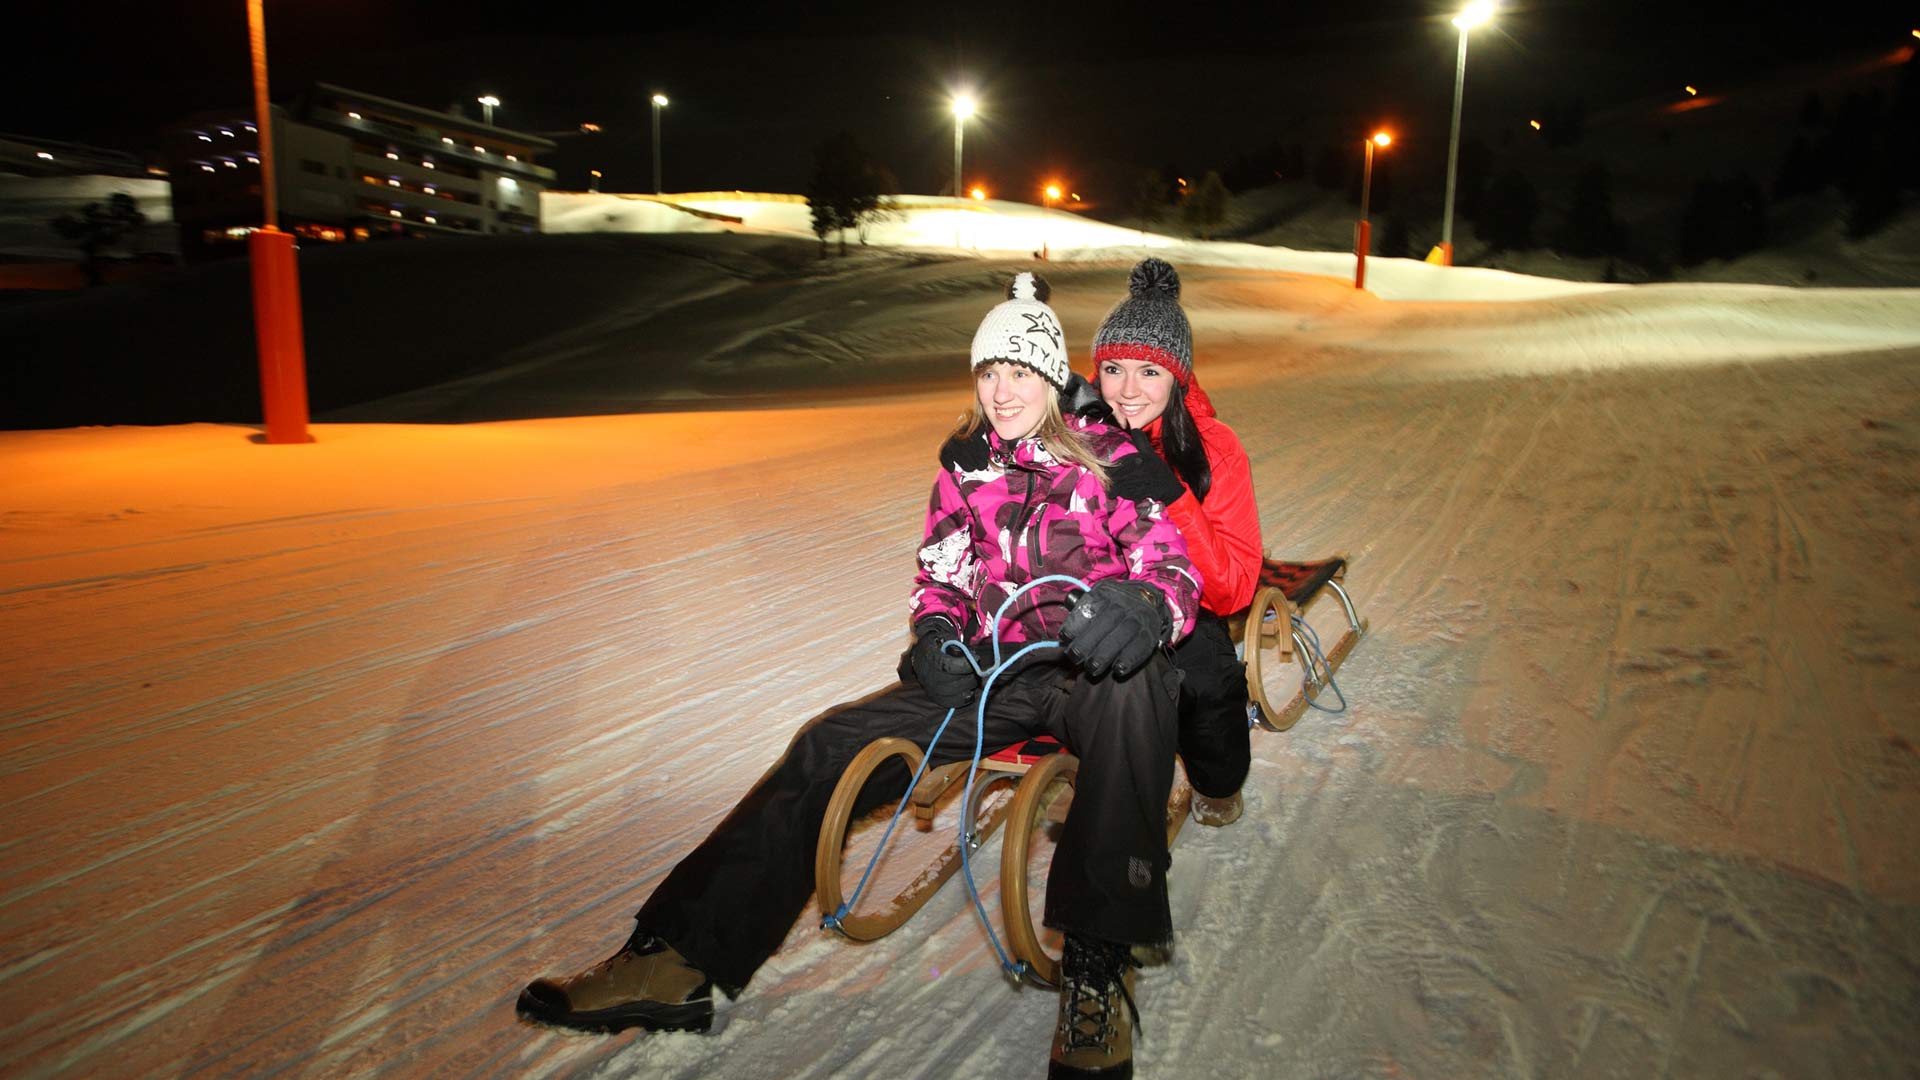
<point>1061,441</point>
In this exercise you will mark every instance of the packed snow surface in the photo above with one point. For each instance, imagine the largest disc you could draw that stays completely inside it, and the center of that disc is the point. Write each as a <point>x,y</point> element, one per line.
<point>314,755</point>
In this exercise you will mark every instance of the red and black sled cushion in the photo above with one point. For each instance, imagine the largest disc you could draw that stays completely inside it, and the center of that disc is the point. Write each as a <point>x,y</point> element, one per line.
<point>1298,581</point>
<point>1029,751</point>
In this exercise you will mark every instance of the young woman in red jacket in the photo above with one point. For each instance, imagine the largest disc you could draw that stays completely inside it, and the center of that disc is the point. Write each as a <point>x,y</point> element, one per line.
<point>1143,365</point>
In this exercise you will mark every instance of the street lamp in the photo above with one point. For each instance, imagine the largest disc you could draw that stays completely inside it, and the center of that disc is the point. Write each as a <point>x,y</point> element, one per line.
<point>593,185</point>
<point>276,278</point>
<point>1051,193</point>
<point>1476,13</point>
<point>962,108</point>
<point>1363,232</point>
<point>487,103</point>
<point>659,102</point>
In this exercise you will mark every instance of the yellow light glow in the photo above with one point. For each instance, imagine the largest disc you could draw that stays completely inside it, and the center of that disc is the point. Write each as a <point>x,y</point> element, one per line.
<point>1692,92</point>
<point>979,194</point>
<point>355,116</point>
<point>660,100</point>
<point>1477,12</point>
<point>393,213</point>
<point>1535,124</point>
<point>426,165</point>
<point>595,173</point>
<point>1381,138</point>
<point>591,129</point>
<point>431,220</point>
<point>1053,191</point>
<point>391,156</point>
<point>963,106</point>
<point>488,100</point>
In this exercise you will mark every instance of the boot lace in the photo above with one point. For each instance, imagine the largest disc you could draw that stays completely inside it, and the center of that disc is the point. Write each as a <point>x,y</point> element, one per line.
<point>1090,972</point>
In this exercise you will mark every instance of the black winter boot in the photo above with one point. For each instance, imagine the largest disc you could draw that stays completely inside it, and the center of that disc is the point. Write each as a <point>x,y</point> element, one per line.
<point>1094,1038</point>
<point>646,984</point>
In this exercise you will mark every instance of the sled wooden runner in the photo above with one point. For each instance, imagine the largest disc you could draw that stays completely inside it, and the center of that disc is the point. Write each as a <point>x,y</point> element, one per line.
<point>1288,589</point>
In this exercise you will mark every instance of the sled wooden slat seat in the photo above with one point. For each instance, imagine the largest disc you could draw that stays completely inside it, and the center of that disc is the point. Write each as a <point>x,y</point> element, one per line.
<point>1286,590</point>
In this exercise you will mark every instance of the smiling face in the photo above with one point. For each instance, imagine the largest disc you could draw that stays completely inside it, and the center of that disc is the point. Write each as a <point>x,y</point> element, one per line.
<point>1013,398</point>
<point>1136,390</point>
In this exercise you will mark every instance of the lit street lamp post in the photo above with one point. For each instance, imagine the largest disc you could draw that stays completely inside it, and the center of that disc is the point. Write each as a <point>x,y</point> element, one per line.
<point>1046,209</point>
<point>593,185</point>
<point>487,102</point>
<point>1363,232</point>
<point>962,109</point>
<point>1477,12</point>
<point>276,277</point>
<point>659,102</point>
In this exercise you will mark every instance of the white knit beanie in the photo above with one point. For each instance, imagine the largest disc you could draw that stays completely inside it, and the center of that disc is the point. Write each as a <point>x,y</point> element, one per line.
<point>1023,330</point>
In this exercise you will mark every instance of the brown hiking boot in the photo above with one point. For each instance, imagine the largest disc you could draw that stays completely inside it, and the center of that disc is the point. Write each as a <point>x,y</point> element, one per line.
<point>1094,1038</point>
<point>646,984</point>
<point>1217,812</point>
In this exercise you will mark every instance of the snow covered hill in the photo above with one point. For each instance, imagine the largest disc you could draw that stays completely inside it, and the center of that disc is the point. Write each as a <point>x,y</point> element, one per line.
<point>314,755</point>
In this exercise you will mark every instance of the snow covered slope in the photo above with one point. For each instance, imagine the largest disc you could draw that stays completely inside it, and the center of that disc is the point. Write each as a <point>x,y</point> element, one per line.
<point>314,755</point>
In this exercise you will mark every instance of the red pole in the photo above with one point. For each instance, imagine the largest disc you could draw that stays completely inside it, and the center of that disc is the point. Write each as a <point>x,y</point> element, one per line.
<point>1362,240</point>
<point>276,278</point>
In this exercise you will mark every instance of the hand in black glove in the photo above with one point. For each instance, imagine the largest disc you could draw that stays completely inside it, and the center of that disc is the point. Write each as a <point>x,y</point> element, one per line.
<point>1117,624</point>
<point>946,676</point>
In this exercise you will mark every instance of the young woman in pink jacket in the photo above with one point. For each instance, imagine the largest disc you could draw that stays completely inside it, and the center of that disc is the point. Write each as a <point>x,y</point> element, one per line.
<point>1035,482</point>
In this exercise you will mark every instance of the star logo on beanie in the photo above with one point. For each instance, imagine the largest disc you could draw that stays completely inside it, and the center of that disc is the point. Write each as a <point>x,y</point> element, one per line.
<point>1039,323</point>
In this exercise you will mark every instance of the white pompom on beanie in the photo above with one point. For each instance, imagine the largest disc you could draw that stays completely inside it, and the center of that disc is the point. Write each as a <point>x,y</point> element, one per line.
<point>1023,330</point>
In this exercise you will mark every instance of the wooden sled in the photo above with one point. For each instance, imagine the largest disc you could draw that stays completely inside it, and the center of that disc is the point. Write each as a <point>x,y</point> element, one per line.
<point>1044,773</point>
<point>1286,590</point>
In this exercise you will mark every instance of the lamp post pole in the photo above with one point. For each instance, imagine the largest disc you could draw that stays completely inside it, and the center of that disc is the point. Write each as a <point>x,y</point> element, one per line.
<point>1476,13</point>
<point>278,334</point>
<point>1051,193</point>
<point>659,102</point>
<point>1363,231</point>
<point>962,108</point>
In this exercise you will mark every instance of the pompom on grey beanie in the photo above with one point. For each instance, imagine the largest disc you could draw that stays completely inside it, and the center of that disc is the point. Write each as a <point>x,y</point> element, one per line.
<point>1023,330</point>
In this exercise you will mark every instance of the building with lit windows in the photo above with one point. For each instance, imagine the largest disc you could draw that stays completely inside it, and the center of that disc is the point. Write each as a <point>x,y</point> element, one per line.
<point>352,166</point>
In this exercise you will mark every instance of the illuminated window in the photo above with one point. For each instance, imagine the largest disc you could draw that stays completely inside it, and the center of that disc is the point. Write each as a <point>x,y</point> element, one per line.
<point>204,167</point>
<point>479,149</point>
<point>446,140</point>
<point>251,128</point>
<point>228,162</point>
<point>228,132</point>
<point>391,156</point>
<point>431,220</point>
<point>43,156</point>
<point>393,181</point>
<point>510,157</point>
<point>253,159</point>
<point>202,136</point>
<point>426,164</point>
<point>428,189</point>
<point>354,116</point>
<point>393,213</point>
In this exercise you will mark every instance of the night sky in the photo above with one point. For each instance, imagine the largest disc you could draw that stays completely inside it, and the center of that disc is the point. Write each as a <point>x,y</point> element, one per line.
<point>1084,92</point>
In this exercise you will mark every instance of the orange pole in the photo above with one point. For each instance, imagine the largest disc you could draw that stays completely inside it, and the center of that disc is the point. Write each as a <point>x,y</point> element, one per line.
<point>1362,240</point>
<point>276,277</point>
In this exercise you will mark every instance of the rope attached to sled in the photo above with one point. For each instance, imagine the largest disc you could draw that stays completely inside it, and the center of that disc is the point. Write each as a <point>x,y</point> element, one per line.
<point>1017,969</point>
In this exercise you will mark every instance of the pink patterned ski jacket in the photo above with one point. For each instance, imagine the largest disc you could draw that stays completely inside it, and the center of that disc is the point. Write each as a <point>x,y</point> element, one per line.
<point>1001,516</point>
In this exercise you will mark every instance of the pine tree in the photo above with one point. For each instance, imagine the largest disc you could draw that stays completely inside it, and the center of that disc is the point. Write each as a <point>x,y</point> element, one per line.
<point>847,188</point>
<point>1508,211</point>
<point>98,228</point>
<point>1591,228</point>
<point>1207,207</point>
<point>1149,198</point>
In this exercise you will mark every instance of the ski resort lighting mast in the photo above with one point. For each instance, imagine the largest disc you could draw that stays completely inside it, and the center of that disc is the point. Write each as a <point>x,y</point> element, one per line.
<point>659,102</point>
<point>962,109</point>
<point>1363,231</point>
<point>1476,13</point>
<point>278,334</point>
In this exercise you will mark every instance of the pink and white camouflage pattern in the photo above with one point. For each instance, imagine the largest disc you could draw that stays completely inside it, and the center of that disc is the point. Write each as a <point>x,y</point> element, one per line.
<point>1027,515</point>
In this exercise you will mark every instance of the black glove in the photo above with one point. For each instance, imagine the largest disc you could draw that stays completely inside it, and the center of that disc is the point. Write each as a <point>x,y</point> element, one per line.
<point>947,677</point>
<point>1117,624</point>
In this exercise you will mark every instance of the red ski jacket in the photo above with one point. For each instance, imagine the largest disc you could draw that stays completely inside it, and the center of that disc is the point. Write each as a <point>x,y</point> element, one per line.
<point>1223,533</point>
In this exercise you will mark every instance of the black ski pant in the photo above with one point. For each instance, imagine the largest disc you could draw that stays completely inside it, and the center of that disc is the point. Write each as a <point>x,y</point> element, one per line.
<point>1215,742</point>
<point>728,905</point>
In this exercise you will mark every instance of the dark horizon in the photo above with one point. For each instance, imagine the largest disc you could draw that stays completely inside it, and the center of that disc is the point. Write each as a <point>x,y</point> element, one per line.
<point>1076,94</point>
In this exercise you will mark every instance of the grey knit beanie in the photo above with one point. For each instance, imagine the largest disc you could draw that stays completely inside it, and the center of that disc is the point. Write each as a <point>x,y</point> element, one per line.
<point>1149,324</point>
<point>1022,329</point>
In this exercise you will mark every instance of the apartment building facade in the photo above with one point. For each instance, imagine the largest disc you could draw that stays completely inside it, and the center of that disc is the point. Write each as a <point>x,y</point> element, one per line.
<point>351,166</point>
